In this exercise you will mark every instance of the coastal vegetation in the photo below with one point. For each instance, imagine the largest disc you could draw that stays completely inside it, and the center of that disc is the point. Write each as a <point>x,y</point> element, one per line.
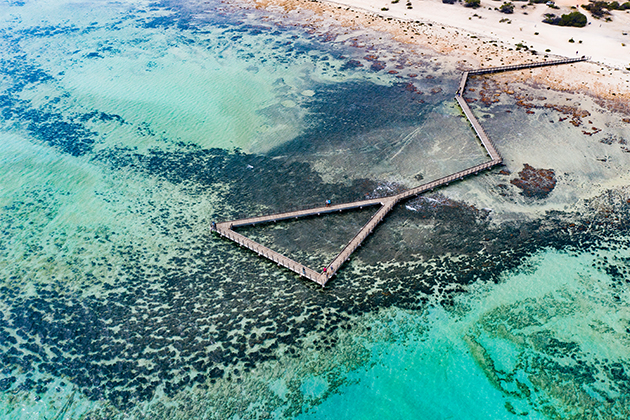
<point>601,9</point>
<point>507,8</point>
<point>521,46</point>
<point>576,19</point>
<point>472,3</point>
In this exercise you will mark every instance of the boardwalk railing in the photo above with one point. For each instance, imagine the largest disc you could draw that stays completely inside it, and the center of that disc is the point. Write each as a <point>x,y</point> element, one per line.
<point>270,254</point>
<point>358,239</point>
<point>528,66</point>
<point>312,211</point>
<point>224,229</point>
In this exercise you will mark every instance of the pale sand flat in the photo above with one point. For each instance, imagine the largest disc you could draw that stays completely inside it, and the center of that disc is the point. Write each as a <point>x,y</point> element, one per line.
<point>457,32</point>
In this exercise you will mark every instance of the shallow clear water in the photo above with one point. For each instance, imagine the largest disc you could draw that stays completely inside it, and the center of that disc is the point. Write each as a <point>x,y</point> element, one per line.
<point>126,128</point>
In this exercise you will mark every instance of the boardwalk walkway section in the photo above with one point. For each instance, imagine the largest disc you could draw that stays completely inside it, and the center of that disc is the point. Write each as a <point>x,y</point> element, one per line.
<point>501,69</point>
<point>225,229</point>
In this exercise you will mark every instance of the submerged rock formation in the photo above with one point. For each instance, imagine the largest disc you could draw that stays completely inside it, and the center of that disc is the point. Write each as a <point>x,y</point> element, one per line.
<point>534,182</point>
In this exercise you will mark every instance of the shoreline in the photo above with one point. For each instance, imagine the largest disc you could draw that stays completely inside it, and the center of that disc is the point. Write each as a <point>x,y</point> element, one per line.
<point>603,77</point>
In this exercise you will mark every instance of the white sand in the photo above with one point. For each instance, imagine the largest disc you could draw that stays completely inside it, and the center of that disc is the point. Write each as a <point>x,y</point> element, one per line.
<point>457,32</point>
<point>600,40</point>
<point>584,165</point>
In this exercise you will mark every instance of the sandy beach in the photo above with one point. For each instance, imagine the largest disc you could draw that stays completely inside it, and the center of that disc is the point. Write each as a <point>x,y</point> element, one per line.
<point>486,37</point>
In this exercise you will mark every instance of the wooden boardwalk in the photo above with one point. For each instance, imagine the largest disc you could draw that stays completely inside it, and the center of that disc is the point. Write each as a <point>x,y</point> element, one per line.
<point>386,204</point>
<point>490,70</point>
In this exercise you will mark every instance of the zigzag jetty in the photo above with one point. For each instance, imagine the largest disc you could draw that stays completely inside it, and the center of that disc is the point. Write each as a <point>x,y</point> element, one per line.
<point>386,204</point>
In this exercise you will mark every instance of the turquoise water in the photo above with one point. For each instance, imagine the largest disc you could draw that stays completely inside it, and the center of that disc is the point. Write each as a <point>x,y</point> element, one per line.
<point>127,128</point>
<point>510,350</point>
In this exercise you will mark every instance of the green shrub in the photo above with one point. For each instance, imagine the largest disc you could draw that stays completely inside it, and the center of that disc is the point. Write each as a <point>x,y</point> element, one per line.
<point>472,3</point>
<point>597,8</point>
<point>576,19</point>
<point>600,8</point>
<point>507,8</point>
<point>521,46</point>
<point>551,19</point>
<point>599,5</point>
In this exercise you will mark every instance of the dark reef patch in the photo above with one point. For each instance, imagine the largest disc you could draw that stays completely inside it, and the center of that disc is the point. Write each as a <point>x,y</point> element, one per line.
<point>214,310</point>
<point>255,180</point>
<point>537,183</point>
<point>50,128</point>
<point>351,109</point>
<point>21,73</point>
<point>71,138</point>
<point>199,312</point>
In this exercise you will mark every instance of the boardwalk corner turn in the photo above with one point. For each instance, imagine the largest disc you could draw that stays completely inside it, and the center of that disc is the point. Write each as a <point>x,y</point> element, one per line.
<point>225,229</point>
